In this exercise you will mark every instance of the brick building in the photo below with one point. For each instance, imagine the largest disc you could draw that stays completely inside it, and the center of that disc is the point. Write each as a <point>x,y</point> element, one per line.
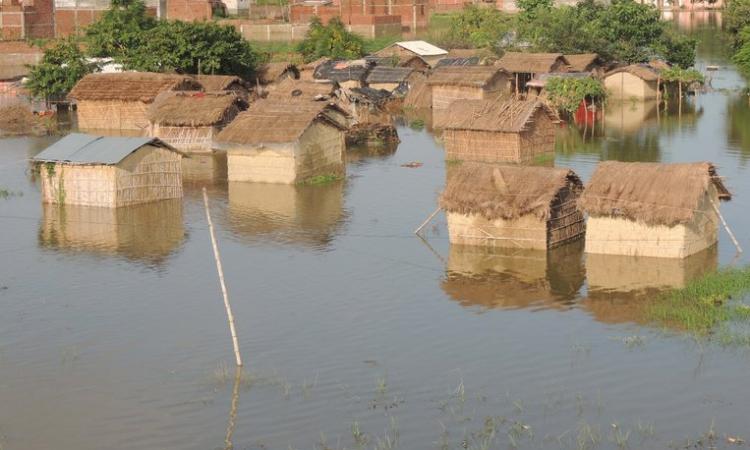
<point>26,19</point>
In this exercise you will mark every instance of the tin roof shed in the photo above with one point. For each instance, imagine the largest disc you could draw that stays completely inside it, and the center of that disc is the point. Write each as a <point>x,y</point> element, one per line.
<point>78,148</point>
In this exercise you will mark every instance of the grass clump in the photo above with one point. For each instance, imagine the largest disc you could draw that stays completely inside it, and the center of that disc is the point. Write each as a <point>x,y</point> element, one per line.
<point>706,303</point>
<point>320,180</point>
<point>417,124</point>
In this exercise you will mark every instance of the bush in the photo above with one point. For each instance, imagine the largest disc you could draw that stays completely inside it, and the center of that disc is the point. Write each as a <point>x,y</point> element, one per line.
<point>332,40</point>
<point>478,28</point>
<point>59,70</point>
<point>568,93</point>
<point>120,29</point>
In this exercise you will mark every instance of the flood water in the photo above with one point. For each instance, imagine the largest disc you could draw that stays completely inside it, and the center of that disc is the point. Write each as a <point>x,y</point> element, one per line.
<point>113,332</point>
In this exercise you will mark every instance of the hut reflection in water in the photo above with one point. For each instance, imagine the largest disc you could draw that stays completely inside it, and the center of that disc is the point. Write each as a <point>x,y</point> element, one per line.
<point>148,232</point>
<point>504,278</point>
<point>288,214</point>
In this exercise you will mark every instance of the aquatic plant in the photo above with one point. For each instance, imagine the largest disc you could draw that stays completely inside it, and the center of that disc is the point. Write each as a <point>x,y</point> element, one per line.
<point>417,124</point>
<point>705,303</point>
<point>319,180</point>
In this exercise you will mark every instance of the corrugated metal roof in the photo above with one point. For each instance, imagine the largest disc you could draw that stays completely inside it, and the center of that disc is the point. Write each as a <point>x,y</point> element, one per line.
<point>422,48</point>
<point>77,148</point>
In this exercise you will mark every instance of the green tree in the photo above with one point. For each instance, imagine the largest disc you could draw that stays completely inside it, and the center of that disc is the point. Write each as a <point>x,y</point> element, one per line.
<point>676,48</point>
<point>530,9</point>
<point>120,29</point>
<point>631,29</point>
<point>193,47</point>
<point>737,18</point>
<point>568,93</point>
<point>59,70</point>
<point>478,27</point>
<point>332,40</point>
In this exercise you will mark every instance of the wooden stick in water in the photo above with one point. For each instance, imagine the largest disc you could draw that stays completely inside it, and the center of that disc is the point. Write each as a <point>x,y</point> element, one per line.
<point>217,257</point>
<point>726,226</point>
<point>424,224</point>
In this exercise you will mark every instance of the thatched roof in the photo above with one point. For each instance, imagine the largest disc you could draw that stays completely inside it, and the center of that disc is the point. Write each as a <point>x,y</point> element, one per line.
<point>642,71</point>
<point>215,83</point>
<point>268,73</point>
<point>472,76</point>
<point>505,192</point>
<point>130,86</point>
<point>290,90</point>
<point>193,109</point>
<point>273,122</point>
<point>582,62</point>
<point>384,74</point>
<point>508,116</point>
<point>343,70</point>
<point>419,95</point>
<point>516,62</point>
<point>653,193</point>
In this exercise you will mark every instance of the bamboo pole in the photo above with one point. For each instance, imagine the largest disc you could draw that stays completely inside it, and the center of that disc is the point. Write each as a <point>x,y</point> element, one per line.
<point>228,445</point>
<point>726,226</point>
<point>424,224</point>
<point>217,257</point>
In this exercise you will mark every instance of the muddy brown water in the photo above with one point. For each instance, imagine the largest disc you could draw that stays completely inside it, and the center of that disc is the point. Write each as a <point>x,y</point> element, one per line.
<point>113,334</point>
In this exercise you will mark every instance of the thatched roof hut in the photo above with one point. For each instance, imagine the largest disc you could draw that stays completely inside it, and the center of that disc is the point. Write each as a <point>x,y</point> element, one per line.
<point>583,62</point>
<point>82,169</point>
<point>525,66</point>
<point>518,131</point>
<point>348,74</point>
<point>290,90</point>
<point>636,81</point>
<point>388,78</point>
<point>512,206</point>
<point>653,209</point>
<point>284,142</point>
<point>449,84</point>
<point>120,100</point>
<point>276,71</point>
<point>217,83</point>
<point>189,120</point>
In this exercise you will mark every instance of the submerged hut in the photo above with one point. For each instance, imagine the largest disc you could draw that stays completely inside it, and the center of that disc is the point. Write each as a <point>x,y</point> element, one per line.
<point>517,131</point>
<point>284,142</point>
<point>653,209</point>
<point>82,169</point>
<point>512,206</point>
<point>449,84</point>
<point>637,81</point>
<point>523,67</point>
<point>120,100</point>
<point>404,50</point>
<point>189,121</point>
<point>224,83</point>
<point>389,78</point>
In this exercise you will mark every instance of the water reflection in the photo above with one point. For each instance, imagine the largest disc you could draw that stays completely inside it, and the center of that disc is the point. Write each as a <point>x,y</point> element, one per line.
<point>148,232</point>
<point>204,169</point>
<point>514,278</point>
<point>294,214</point>
<point>361,154</point>
<point>738,125</point>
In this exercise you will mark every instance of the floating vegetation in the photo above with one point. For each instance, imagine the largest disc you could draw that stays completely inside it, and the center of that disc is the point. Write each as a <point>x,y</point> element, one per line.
<point>320,180</point>
<point>417,124</point>
<point>706,304</point>
<point>5,193</point>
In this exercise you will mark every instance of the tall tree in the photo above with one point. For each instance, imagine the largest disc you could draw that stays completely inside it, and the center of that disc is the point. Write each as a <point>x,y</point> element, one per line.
<point>120,29</point>
<point>332,40</point>
<point>59,70</point>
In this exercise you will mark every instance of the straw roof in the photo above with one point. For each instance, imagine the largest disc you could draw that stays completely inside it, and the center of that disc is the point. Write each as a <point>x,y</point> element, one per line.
<point>582,62</point>
<point>268,73</point>
<point>274,122</point>
<point>194,109</point>
<point>419,95</point>
<point>516,62</point>
<point>384,74</point>
<point>642,71</point>
<point>214,83</point>
<point>653,193</point>
<point>508,116</point>
<point>505,192</point>
<point>471,76</point>
<point>290,90</point>
<point>130,86</point>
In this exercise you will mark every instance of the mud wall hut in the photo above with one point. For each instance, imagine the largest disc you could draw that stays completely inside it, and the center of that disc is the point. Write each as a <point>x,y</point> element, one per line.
<point>449,84</point>
<point>512,206</point>
<point>82,169</point>
<point>284,143</point>
<point>189,121</point>
<point>637,81</point>
<point>653,209</point>
<point>120,101</point>
<point>517,131</point>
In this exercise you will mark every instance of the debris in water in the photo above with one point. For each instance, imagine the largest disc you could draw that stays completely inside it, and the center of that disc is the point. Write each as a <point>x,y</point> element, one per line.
<point>735,440</point>
<point>412,165</point>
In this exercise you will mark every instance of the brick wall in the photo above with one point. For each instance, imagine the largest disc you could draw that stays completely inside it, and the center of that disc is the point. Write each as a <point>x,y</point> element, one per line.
<point>71,21</point>
<point>189,10</point>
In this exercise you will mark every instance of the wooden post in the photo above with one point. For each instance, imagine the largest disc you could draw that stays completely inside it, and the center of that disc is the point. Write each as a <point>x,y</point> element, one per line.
<point>227,306</point>
<point>726,226</point>
<point>516,85</point>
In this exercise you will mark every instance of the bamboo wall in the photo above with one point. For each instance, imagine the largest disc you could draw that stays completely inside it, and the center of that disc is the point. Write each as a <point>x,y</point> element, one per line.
<point>626,86</point>
<point>526,232</point>
<point>149,174</point>
<point>186,139</point>
<point>321,151</point>
<point>443,96</point>
<point>90,185</point>
<point>537,142</point>
<point>620,236</point>
<point>566,221</point>
<point>112,114</point>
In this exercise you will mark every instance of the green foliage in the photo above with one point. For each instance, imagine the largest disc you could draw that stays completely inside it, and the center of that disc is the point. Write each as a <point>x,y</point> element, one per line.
<point>676,48</point>
<point>478,27</point>
<point>320,180</point>
<point>59,70</point>
<point>567,93</point>
<point>737,19</point>
<point>684,76</point>
<point>530,9</point>
<point>193,47</point>
<point>120,30</point>
<point>705,303</point>
<point>332,40</point>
